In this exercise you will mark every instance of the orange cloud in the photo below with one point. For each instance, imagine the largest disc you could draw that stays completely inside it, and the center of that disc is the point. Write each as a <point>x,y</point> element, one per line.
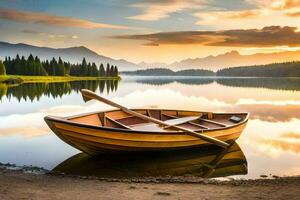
<point>290,7</point>
<point>291,135</point>
<point>293,14</point>
<point>242,14</point>
<point>267,36</point>
<point>282,145</point>
<point>286,4</point>
<point>271,113</point>
<point>46,19</point>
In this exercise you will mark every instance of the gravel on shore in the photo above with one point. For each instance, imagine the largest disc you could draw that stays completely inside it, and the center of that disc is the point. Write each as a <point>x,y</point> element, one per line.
<point>19,184</point>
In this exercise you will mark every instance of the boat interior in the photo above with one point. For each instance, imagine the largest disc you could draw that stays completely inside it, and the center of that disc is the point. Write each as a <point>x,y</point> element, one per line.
<point>193,120</point>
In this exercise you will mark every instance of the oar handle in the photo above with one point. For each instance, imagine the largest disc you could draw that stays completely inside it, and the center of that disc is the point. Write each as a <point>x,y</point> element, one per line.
<point>89,95</point>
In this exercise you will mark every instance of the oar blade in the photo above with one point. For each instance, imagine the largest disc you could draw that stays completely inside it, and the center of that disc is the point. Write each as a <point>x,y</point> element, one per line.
<point>86,99</point>
<point>86,95</point>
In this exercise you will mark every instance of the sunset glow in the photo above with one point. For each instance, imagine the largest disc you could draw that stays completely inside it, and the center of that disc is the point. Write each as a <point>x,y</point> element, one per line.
<point>155,31</point>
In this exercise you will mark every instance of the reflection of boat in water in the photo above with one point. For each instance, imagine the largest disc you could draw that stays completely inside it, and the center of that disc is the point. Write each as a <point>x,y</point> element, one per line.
<point>209,161</point>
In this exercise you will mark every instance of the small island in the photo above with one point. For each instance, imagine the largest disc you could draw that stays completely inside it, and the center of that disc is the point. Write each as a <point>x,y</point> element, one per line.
<point>32,69</point>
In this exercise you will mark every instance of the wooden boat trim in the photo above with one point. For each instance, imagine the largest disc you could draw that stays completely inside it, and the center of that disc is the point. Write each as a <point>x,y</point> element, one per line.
<point>134,143</point>
<point>201,126</point>
<point>118,123</point>
<point>67,121</point>
<point>213,122</point>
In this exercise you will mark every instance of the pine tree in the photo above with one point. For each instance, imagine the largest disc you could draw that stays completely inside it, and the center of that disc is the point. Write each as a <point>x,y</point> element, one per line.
<point>112,69</point>
<point>60,68</point>
<point>89,70</point>
<point>83,71</point>
<point>29,68</point>
<point>94,71</point>
<point>107,72</point>
<point>101,70</point>
<point>116,72</point>
<point>23,65</point>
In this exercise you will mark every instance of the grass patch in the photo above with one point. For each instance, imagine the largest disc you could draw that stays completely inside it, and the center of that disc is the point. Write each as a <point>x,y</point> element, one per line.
<point>54,79</point>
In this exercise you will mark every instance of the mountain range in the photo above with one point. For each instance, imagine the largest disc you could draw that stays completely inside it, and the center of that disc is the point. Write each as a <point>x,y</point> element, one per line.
<point>72,54</point>
<point>75,55</point>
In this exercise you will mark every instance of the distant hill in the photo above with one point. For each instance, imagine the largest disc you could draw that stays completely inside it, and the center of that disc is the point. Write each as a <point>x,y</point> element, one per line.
<point>168,72</point>
<point>72,54</point>
<point>233,59</point>
<point>287,69</point>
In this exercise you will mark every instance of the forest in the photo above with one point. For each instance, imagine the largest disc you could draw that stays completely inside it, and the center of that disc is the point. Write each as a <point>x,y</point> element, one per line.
<point>287,69</point>
<point>33,66</point>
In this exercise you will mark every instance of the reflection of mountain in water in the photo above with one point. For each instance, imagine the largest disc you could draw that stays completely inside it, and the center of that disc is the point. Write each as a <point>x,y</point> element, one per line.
<point>183,80</point>
<point>201,162</point>
<point>32,91</point>
<point>269,83</point>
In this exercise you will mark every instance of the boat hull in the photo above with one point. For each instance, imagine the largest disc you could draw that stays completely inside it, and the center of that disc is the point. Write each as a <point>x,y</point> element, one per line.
<point>96,140</point>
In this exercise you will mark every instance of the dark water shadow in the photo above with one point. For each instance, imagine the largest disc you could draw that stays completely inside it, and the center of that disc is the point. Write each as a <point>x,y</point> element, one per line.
<point>33,91</point>
<point>203,162</point>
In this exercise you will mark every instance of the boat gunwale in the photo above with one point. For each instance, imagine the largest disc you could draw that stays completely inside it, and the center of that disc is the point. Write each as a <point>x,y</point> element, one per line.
<point>66,120</point>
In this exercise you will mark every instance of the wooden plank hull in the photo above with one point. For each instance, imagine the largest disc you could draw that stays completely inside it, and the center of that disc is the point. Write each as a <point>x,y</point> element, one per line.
<point>96,139</point>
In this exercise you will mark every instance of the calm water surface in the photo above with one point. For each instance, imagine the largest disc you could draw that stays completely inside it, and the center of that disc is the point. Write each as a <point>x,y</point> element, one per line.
<point>270,142</point>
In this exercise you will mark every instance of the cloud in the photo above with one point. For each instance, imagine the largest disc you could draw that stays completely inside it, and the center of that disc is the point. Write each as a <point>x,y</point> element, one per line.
<point>50,35</point>
<point>269,112</point>
<point>291,135</point>
<point>262,13</point>
<point>286,4</point>
<point>293,147</point>
<point>267,36</point>
<point>46,19</point>
<point>213,16</point>
<point>290,7</point>
<point>158,9</point>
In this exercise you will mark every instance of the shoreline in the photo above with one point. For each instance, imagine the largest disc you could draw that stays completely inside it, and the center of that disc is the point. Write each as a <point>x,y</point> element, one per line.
<point>17,184</point>
<point>52,79</point>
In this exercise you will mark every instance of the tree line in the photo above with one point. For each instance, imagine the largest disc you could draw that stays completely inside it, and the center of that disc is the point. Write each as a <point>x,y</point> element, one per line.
<point>33,66</point>
<point>286,69</point>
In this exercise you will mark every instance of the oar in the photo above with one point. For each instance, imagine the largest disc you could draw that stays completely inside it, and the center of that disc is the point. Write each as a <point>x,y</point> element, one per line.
<point>89,95</point>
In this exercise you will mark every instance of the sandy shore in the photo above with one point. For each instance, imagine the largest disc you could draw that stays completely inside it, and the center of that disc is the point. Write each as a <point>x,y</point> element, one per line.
<point>20,185</point>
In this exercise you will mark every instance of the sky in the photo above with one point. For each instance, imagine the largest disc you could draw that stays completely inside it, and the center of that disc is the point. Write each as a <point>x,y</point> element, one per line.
<point>156,30</point>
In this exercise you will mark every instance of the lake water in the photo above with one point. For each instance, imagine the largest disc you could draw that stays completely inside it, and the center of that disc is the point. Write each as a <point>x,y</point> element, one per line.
<point>270,142</point>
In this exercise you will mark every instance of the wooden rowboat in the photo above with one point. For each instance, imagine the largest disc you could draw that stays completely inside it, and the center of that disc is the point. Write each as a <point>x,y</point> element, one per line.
<point>206,162</point>
<point>116,131</point>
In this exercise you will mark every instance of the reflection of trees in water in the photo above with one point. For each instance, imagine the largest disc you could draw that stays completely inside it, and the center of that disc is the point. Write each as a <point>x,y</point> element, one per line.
<point>188,81</point>
<point>32,91</point>
<point>3,90</point>
<point>269,83</point>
